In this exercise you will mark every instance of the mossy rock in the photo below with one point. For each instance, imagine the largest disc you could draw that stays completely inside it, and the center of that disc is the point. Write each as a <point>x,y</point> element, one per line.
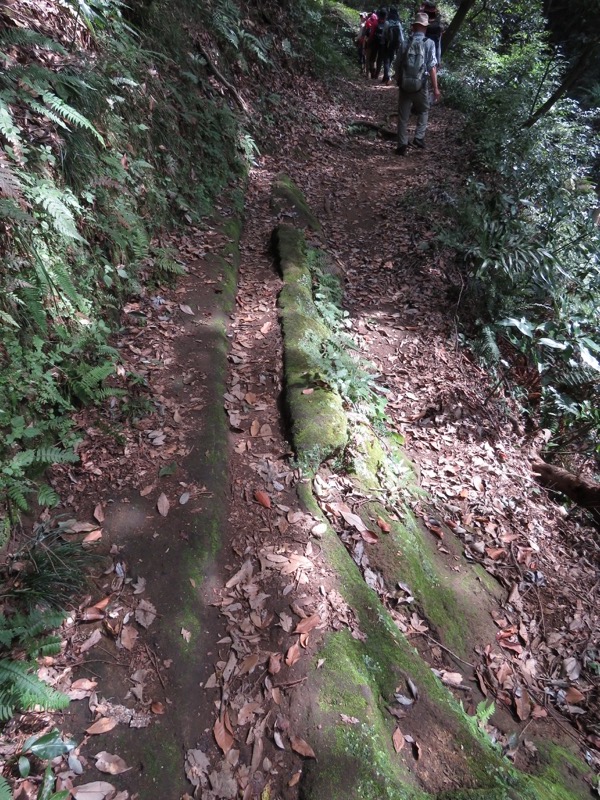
<point>286,196</point>
<point>317,417</point>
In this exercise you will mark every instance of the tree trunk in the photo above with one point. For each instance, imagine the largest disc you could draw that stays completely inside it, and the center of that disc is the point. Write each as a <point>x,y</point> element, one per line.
<point>572,77</point>
<point>457,21</point>
<point>583,492</point>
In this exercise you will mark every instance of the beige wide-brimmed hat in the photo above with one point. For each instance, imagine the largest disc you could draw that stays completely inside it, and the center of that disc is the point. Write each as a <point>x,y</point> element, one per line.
<point>421,19</point>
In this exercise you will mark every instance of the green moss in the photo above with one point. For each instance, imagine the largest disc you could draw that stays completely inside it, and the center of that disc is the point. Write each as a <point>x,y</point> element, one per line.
<point>319,424</point>
<point>285,194</point>
<point>360,759</point>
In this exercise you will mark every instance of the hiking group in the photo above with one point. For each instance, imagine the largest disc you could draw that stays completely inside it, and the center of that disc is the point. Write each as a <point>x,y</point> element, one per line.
<point>381,43</point>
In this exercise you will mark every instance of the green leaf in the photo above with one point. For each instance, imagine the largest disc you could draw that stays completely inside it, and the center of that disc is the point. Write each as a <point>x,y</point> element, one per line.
<point>553,343</point>
<point>60,796</point>
<point>50,745</point>
<point>5,790</point>
<point>47,787</point>
<point>589,359</point>
<point>169,470</point>
<point>522,325</point>
<point>24,766</point>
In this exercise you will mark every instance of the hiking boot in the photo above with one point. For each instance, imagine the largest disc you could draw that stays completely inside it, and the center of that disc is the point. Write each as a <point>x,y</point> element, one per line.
<point>401,150</point>
<point>419,143</point>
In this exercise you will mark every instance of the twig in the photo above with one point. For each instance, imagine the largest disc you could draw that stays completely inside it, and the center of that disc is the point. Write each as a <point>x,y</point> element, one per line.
<point>443,647</point>
<point>154,661</point>
<point>236,95</point>
<point>289,683</point>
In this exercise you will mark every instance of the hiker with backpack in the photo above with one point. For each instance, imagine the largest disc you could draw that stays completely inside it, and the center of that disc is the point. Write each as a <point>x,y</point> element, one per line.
<point>376,44</point>
<point>394,36</point>
<point>416,67</point>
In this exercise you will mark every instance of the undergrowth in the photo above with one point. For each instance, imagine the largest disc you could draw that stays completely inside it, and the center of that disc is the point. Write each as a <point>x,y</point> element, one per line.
<point>527,239</point>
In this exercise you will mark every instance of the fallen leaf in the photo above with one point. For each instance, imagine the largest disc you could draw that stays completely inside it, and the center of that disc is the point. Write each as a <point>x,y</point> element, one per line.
<point>301,747</point>
<point>450,678</point>
<point>249,664</point>
<point>573,695</point>
<point>92,640</point>
<point>186,309</point>
<point>184,498</point>
<point>98,790</point>
<point>295,778</point>
<point>383,525</point>
<point>163,505</point>
<point>129,637</point>
<point>262,498</point>
<point>145,613</point>
<point>292,655</point>
<point>308,624</point>
<point>147,490</point>
<point>572,668</point>
<point>157,707</point>
<point>255,428</point>
<point>93,536</point>
<point>307,391</point>
<point>522,704</point>
<point>222,736</point>
<point>92,614</point>
<point>186,634</point>
<point>103,725</point>
<point>112,764</point>
<point>275,663</point>
<point>369,537</point>
<point>398,740</point>
<point>99,513</point>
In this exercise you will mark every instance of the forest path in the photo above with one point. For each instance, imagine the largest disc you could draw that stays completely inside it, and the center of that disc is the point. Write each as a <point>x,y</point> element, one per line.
<point>224,673</point>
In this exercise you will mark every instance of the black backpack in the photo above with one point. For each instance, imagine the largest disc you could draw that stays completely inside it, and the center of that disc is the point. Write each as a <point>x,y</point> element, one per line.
<point>379,35</point>
<point>394,35</point>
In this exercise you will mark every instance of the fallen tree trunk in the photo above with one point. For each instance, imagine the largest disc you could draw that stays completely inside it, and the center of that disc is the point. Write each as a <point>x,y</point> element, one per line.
<point>386,133</point>
<point>584,492</point>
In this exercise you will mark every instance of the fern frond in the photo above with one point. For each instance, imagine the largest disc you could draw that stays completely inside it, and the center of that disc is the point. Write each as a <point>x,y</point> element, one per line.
<point>25,690</point>
<point>53,455</point>
<point>10,185</point>
<point>70,114</point>
<point>47,496</point>
<point>52,200</point>
<point>25,36</point>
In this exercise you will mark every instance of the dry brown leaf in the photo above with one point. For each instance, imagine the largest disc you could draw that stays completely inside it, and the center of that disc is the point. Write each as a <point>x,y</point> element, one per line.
<point>163,505</point>
<point>292,655</point>
<point>186,634</point>
<point>249,664</point>
<point>145,613</point>
<point>112,764</point>
<point>522,704</point>
<point>275,663</point>
<point>147,490</point>
<point>103,725</point>
<point>157,707</point>
<point>92,640</point>
<point>308,624</point>
<point>262,498</point>
<point>129,637</point>
<point>398,740</point>
<point>301,747</point>
<point>383,525</point>
<point>369,537</point>
<point>92,614</point>
<point>98,790</point>
<point>295,778</point>
<point>222,736</point>
<point>255,428</point>
<point>93,536</point>
<point>99,513</point>
<point>574,696</point>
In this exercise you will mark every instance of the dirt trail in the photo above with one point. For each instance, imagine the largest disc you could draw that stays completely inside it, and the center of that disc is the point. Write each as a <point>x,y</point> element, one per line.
<point>234,571</point>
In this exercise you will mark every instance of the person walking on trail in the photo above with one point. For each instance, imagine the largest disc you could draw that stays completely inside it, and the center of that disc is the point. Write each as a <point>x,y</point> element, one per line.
<point>370,25</point>
<point>376,44</point>
<point>394,36</point>
<point>434,27</point>
<point>416,68</point>
<point>360,40</point>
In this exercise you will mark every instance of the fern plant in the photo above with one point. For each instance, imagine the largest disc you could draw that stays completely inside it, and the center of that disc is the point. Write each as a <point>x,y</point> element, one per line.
<point>20,689</point>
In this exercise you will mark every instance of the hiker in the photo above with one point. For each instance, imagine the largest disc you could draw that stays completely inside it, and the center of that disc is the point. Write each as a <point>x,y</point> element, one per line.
<point>376,44</point>
<point>434,27</point>
<point>416,66</point>
<point>360,40</point>
<point>394,37</point>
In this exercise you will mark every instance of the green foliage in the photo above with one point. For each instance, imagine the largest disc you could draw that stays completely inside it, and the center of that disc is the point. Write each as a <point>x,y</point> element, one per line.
<point>524,228</point>
<point>336,365</point>
<point>19,688</point>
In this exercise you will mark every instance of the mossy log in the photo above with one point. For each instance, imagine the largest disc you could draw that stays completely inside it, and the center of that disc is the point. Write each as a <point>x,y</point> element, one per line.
<point>584,492</point>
